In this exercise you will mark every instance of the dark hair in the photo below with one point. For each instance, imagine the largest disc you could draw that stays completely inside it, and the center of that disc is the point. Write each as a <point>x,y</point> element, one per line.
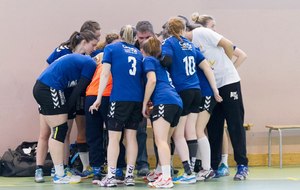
<point>77,37</point>
<point>144,26</point>
<point>152,46</point>
<point>90,25</point>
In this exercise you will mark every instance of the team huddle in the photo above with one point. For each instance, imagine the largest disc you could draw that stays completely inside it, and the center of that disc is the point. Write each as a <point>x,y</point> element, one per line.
<point>183,79</point>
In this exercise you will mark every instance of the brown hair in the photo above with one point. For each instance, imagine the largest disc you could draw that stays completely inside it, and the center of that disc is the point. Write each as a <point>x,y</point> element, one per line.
<point>108,39</point>
<point>201,19</point>
<point>176,27</point>
<point>77,37</point>
<point>90,25</point>
<point>152,46</point>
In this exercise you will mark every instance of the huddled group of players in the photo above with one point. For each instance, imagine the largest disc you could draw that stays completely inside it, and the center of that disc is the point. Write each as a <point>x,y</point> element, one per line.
<point>183,79</point>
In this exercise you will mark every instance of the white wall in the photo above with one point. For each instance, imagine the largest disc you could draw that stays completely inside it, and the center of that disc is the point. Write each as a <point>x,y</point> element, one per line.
<point>267,30</point>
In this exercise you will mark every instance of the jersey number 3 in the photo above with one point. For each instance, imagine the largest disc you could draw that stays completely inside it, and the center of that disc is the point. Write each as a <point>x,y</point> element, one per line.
<point>132,61</point>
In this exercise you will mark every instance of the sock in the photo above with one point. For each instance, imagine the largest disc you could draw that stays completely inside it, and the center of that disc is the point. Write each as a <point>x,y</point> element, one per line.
<point>166,171</point>
<point>84,157</point>
<point>111,172</point>
<point>224,159</point>
<point>158,169</point>
<point>204,152</point>
<point>59,170</point>
<point>129,170</point>
<point>39,167</point>
<point>186,166</point>
<point>193,146</point>
<point>197,167</point>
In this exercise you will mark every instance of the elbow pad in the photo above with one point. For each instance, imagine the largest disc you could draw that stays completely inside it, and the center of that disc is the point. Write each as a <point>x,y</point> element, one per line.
<point>166,61</point>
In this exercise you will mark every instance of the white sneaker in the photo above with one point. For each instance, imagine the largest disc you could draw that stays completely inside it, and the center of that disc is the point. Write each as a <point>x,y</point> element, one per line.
<point>129,181</point>
<point>204,175</point>
<point>161,183</point>
<point>39,176</point>
<point>108,182</point>
<point>66,179</point>
<point>152,176</point>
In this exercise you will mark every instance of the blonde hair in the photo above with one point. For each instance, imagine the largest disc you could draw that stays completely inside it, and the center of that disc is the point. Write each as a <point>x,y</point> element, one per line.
<point>128,33</point>
<point>176,27</point>
<point>201,19</point>
<point>152,46</point>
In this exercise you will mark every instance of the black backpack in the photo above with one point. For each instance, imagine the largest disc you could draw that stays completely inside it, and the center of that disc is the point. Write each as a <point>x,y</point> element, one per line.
<point>22,161</point>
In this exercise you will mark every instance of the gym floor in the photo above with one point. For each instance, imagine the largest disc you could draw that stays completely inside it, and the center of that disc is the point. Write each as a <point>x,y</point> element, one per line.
<point>263,178</point>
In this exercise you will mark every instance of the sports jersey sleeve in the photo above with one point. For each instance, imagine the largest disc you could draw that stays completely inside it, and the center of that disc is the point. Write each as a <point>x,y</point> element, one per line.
<point>107,55</point>
<point>167,48</point>
<point>57,53</point>
<point>148,64</point>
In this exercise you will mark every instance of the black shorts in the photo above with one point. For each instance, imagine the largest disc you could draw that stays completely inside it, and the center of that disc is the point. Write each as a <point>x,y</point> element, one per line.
<point>191,100</point>
<point>207,103</point>
<point>124,115</point>
<point>170,112</point>
<point>50,100</point>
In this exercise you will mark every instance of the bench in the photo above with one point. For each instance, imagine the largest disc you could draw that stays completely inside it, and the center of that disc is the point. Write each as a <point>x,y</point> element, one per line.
<point>278,128</point>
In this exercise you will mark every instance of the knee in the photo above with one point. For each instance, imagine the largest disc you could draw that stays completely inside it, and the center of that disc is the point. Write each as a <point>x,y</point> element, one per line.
<point>60,132</point>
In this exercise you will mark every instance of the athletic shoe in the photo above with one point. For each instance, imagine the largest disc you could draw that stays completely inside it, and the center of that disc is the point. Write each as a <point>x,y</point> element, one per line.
<point>161,183</point>
<point>66,179</point>
<point>204,175</point>
<point>129,181</point>
<point>96,179</point>
<point>143,172</point>
<point>152,176</point>
<point>242,173</point>
<point>88,173</point>
<point>120,176</point>
<point>70,172</point>
<point>185,179</point>
<point>223,170</point>
<point>103,172</point>
<point>39,176</point>
<point>108,182</point>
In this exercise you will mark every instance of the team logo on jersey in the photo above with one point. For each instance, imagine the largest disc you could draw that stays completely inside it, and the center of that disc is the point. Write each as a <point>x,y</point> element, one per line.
<point>234,95</point>
<point>131,50</point>
<point>61,48</point>
<point>186,46</point>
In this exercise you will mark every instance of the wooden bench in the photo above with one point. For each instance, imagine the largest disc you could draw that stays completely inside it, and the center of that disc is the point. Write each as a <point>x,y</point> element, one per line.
<point>278,128</point>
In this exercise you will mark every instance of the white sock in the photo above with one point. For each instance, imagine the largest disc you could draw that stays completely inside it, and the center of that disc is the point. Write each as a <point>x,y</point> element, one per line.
<point>59,170</point>
<point>84,157</point>
<point>204,152</point>
<point>224,159</point>
<point>111,172</point>
<point>129,170</point>
<point>158,169</point>
<point>166,171</point>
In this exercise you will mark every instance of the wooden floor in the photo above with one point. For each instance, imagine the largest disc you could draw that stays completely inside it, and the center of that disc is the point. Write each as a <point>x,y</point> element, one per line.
<point>263,178</point>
